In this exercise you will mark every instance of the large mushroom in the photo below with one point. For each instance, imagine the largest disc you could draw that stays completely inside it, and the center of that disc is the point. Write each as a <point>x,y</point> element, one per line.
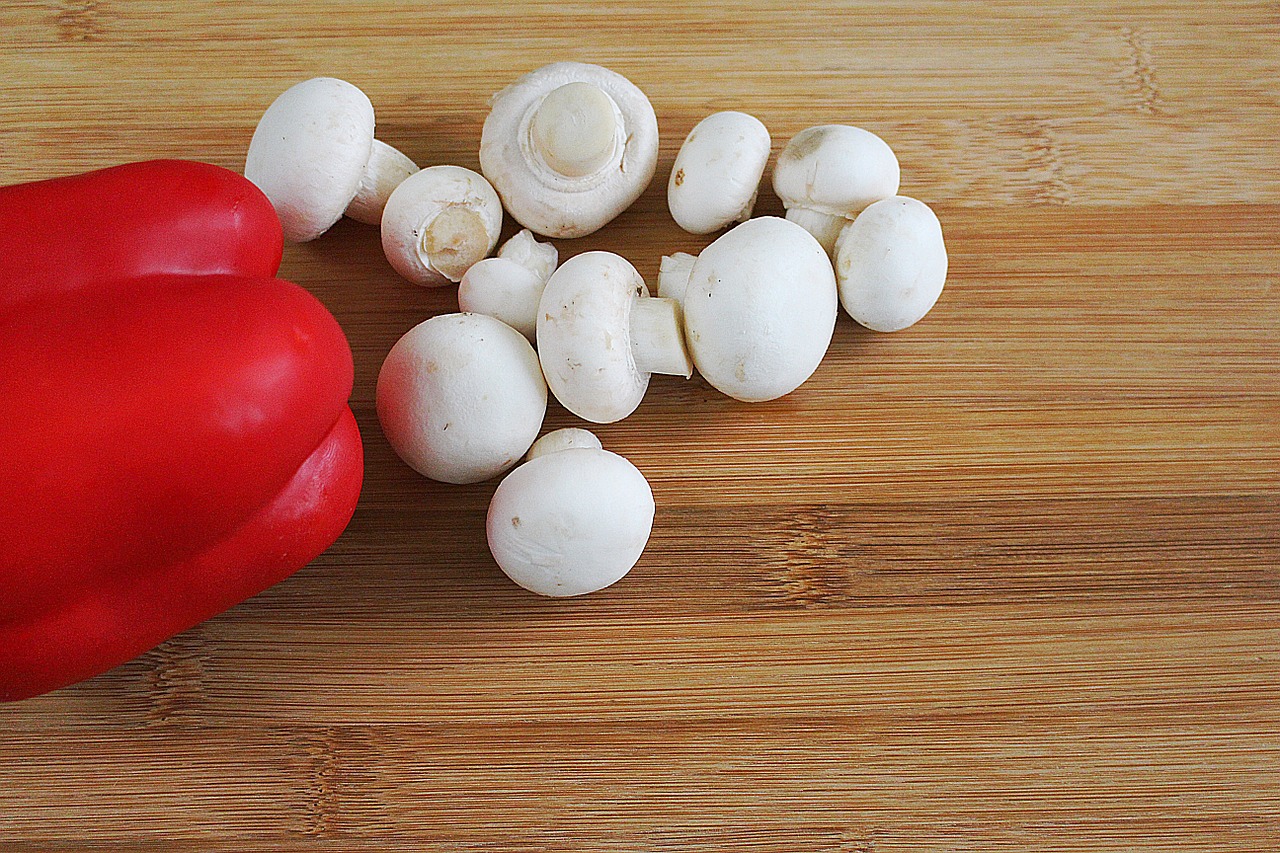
<point>440,222</point>
<point>759,307</point>
<point>314,155</point>
<point>571,520</point>
<point>601,335</point>
<point>461,397</point>
<point>891,264</point>
<point>827,174</point>
<point>569,147</point>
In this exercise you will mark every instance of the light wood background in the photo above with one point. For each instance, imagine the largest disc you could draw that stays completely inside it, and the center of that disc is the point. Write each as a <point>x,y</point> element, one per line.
<point>1008,580</point>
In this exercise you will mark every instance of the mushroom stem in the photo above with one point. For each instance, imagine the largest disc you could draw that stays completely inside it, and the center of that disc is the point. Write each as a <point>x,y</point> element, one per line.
<point>567,438</point>
<point>673,275</point>
<point>825,227</point>
<point>538,258</point>
<point>454,240</point>
<point>575,128</point>
<point>657,337</point>
<point>387,168</point>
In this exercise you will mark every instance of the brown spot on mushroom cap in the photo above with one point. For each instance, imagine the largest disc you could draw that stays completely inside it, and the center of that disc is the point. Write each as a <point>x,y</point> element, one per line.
<point>805,143</point>
<point>679,178</point>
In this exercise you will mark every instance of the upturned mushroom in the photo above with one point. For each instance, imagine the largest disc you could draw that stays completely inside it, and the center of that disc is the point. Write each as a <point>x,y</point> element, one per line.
<point>571,520</point>
<point>509,286</point>
<point>461,397</point>
<point>568,147</point>
<point>314,155</point>
<point>439,222</point>
<point>891,264</point>
<point>827,174</point>
<point>759,307</point>
<point>716,175</point>
<point>600,336</point>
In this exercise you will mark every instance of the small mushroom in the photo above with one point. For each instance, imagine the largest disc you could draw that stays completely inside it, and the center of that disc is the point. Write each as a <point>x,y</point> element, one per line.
<point>461,397</point>
<point>827,174</point>
<point>891,264</point>
<point>571,520</point>
<point>716,175</point>
<point>314,156</point>
<point>600,336</point>
<point>759,307</point>
<point>569,147</point>
<point>439,222</point>
<point>509,286</point>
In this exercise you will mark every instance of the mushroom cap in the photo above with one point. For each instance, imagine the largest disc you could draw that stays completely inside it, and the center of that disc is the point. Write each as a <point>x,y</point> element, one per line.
<point>570,522</point>
<point>563,439</point>
<point>309,152</point>
<point>461,397</point>
<point>555,205</point>
<point>416,203</point>
<point>716,174</point>
<point>891,264</point>
<point>503,289</point>
<point>760,309</point>
<point>584,336</point>
<point>835,169</point>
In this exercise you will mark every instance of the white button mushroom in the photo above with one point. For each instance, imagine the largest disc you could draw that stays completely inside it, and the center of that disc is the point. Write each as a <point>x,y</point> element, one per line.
<point>827,174</point>
<point>600,336</point>
<point>509,286</point>
<point>891,264</point>
<point>716,175</point>
<point>573,519</point>
<point>569,147</point>
<point>759,307</point>
<point>461,397</point>
<point>439,222</point>
<point>314,156</point>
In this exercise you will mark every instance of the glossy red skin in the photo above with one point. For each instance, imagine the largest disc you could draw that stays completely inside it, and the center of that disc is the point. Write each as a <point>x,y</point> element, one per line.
<point>173,418</point>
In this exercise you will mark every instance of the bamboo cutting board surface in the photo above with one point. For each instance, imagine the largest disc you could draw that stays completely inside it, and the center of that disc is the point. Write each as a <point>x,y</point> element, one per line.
<point>1007,580</point>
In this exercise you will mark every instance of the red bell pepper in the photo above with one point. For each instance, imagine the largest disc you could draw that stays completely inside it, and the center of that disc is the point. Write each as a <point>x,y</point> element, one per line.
<point>174,428</point>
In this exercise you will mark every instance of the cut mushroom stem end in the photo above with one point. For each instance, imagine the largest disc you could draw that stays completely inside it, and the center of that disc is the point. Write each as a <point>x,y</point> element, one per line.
<point>673,275</point>
<point>825,227</point>
<point>575,129</point>
<point>387,169</point>
<point>657,337</point>
<point>454,240</point>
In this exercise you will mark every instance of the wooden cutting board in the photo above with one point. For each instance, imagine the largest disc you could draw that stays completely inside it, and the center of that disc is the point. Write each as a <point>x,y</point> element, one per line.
<point>1008,580</point>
